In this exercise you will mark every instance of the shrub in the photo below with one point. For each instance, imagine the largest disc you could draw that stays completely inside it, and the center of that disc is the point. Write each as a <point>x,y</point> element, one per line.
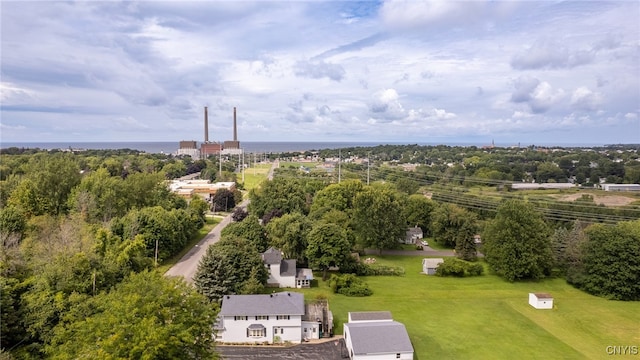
<point>459,268</point>
<point>353,266</point>
<point>349,285</point>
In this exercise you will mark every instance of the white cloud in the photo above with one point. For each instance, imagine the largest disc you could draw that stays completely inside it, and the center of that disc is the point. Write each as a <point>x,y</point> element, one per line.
<point>110,71</point>
<point>586,100</point>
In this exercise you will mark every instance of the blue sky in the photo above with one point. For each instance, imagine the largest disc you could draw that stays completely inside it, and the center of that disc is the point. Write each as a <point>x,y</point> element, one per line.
<point>389,71</point>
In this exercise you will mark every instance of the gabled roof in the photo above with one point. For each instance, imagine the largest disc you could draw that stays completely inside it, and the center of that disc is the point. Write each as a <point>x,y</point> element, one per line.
<point>381,337</point>
<point>282,303</point>
<point>369,315</point>
<point>305,274</point>
<point>272,256</point>
<point>543,295</point>
<point>288,267</point>
<point>432,263</point>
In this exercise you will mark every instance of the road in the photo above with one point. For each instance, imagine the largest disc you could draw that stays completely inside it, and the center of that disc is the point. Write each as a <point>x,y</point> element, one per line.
<point>187,266</point>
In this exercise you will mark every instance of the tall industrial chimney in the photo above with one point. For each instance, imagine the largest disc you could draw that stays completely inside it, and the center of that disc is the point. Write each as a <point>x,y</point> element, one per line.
<point>206,125</point>
<point>235,128</point>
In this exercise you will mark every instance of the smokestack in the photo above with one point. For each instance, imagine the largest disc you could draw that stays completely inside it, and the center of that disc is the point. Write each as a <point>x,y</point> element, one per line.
<point>206,125</point>
<point>235,129</point>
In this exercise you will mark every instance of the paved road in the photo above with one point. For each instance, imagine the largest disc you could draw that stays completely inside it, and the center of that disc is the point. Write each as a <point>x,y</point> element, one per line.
<point>188,265</point>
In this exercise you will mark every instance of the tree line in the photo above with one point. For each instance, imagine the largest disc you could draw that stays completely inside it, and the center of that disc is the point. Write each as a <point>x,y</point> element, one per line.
<point>79,242</point>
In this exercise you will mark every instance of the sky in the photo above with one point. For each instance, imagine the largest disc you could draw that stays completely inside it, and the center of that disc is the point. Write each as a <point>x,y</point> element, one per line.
<point>529,72</point>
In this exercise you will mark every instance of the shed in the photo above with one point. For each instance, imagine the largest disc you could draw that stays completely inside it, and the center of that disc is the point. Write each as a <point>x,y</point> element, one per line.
<point>429,266</point>
<point>541,300</point>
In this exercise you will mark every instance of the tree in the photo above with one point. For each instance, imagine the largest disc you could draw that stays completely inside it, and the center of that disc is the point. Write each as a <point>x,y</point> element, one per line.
<point>287,195</point>
<point>239,214</point>
<point>566,246</point>
<point>328,246</point>
<point>418,211</point>
<point>407,186</point>
<point>611,261</point>
<point>451,225</point>
<point>249,229</point>
<point>223,199</point>
<point>516,242</point>
<point>228,267</point>
<point>378,218</point>
<point>289,234</point>
<point>337,196</point>
<point>147,316</point>
<point>47,185</point>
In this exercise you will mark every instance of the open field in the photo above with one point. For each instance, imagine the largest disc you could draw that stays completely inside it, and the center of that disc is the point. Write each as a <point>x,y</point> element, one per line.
<point>253,176</point>
<point>488,318</point>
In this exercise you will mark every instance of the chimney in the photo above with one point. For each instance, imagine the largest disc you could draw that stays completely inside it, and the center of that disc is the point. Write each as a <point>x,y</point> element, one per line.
<point>206,125</point>
<point>235,128</point>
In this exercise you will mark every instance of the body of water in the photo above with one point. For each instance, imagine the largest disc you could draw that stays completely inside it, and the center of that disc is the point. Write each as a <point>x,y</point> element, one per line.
<point>248,146</point>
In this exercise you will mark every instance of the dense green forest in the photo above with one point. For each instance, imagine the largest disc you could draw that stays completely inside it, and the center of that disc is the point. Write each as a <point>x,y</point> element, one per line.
<point>79,234</point>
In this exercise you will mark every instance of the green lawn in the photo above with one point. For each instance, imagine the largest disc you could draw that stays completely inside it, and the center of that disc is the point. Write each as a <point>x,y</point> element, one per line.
<point>253,176</point>
<point>488,318</point>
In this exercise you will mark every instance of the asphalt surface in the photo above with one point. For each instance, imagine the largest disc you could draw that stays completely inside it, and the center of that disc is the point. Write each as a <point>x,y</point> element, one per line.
<point>331,350</point>
<point>188,265</point>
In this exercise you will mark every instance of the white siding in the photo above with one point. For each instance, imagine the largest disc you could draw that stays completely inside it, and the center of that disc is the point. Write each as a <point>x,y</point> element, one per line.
<point>310,330</point>
<point>540,303</point>
<point>235,331</point>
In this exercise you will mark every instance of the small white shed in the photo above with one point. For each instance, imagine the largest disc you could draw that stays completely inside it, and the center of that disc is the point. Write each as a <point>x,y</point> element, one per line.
<point>429,265</point>
<point>541,300</point>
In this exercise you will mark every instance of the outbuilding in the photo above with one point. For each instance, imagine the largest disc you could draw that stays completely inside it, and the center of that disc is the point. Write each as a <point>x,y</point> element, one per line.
<point>429,265</point>
<point>541,300</point>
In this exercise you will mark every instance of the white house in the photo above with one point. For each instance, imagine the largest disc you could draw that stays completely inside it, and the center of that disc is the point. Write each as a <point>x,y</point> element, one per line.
<point>429,265</point>
<point>375,335</point>
<point>260,318</point>
<point>283,272</point>
<point>541,300</point>
<point>413,235</point>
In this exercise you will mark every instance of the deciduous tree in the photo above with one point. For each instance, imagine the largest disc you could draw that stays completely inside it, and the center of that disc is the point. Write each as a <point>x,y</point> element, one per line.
<point>516,242</point>
<point>328,246</point>
<point>378,220</point>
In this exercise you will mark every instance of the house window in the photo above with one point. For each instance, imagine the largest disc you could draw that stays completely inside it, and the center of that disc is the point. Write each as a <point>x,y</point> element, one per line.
<point>314,330</point>
<point>257,332</point>
<point>283,317</point>
<point>281,330</point>
<point>305,330</point>
<point>236,318</point>
<point>262,317</point>
<point>397,356</point>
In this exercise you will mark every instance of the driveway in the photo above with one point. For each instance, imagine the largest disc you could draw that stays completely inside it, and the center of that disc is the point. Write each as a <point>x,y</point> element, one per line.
<point>329,350</point>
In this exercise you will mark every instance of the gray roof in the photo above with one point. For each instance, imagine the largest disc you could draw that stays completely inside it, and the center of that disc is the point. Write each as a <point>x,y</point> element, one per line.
<point>303,273</point>
<point>272,256</point>
<point>282,303</point>
<point>383,337</point>
<point>288,267</point>
<point>433,262</point>
<point>370,315</point>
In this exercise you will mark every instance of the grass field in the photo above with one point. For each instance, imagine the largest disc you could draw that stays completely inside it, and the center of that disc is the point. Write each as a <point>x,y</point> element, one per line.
<point>253,176</point>
<point>488,318</point>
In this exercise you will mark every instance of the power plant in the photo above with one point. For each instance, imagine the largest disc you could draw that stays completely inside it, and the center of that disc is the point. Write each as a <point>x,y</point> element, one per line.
<point>207,148</point>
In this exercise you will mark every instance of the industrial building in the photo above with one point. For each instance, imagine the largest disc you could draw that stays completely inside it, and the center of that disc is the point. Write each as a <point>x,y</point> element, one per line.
<point>208,148</point>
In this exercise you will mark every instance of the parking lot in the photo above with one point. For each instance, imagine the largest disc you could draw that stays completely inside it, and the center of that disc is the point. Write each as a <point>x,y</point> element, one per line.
<point>333,349</point>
